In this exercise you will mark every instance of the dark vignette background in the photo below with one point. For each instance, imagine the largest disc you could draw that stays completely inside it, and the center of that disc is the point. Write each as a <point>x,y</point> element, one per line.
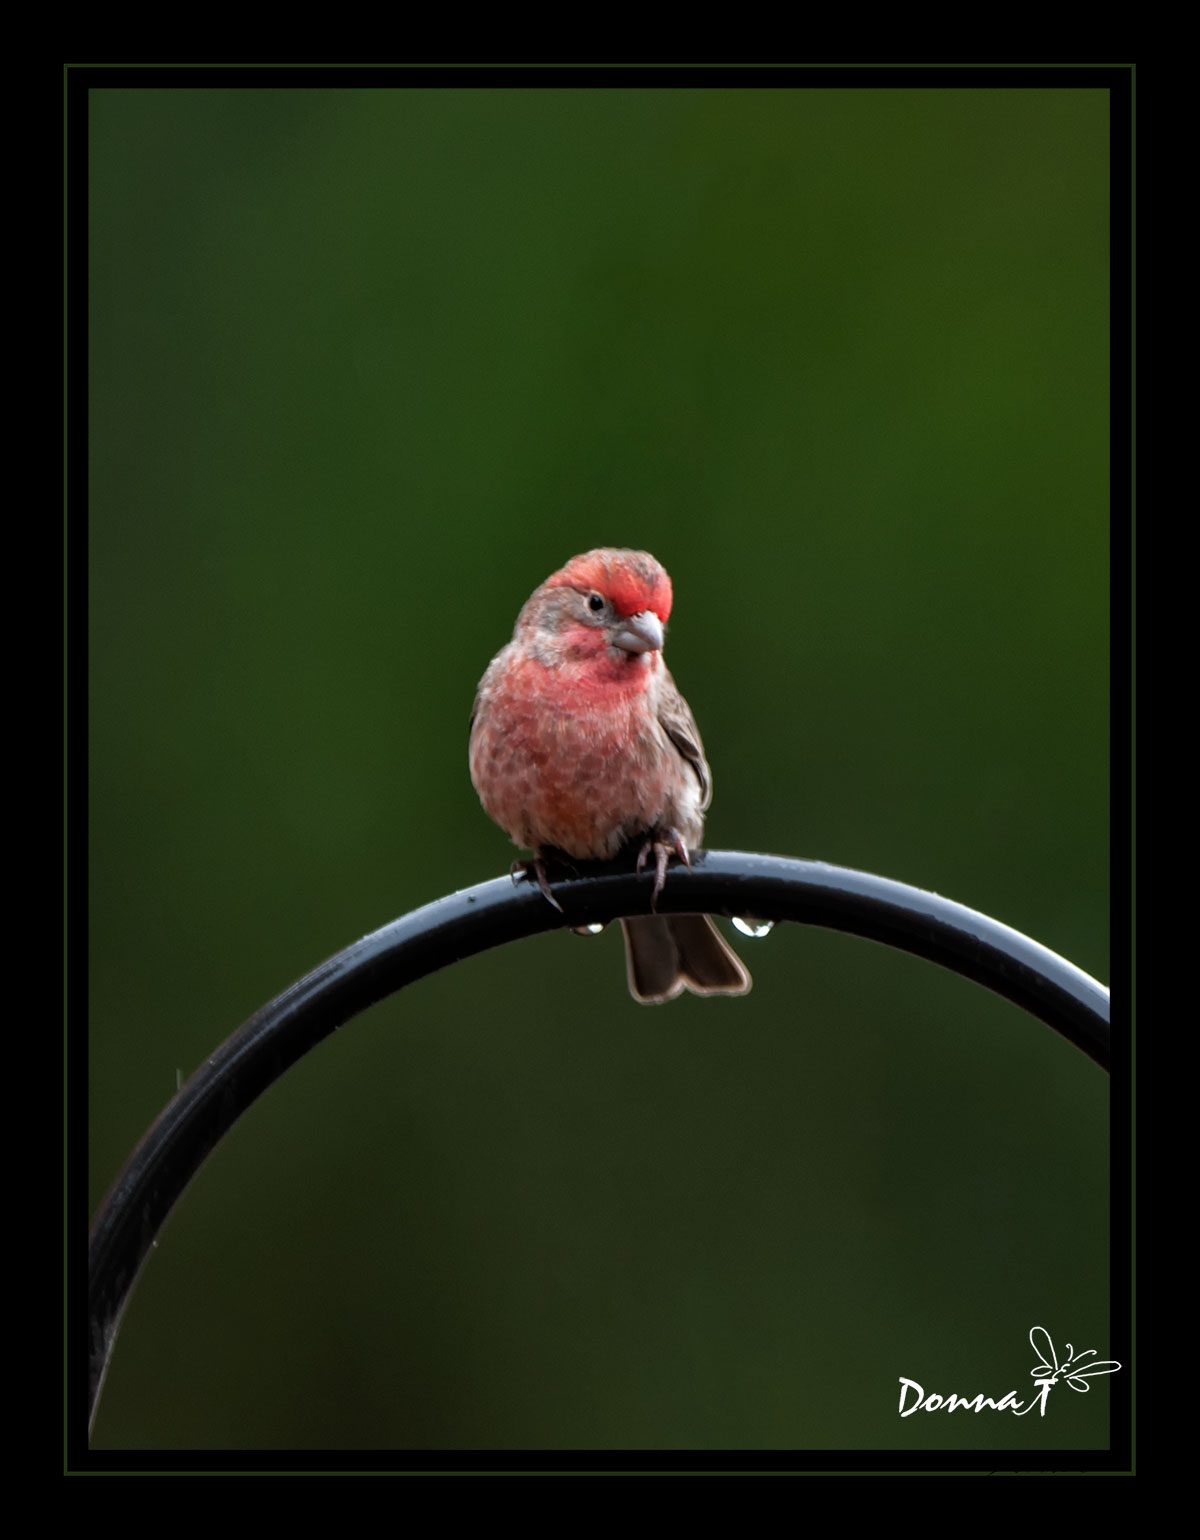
<point>365,366</point>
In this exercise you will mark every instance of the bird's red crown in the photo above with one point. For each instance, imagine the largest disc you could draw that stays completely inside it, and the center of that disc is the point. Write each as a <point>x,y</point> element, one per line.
<point>632,580</point>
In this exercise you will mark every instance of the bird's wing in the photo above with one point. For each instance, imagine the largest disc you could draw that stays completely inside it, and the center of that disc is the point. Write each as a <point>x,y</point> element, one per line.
<point>680,726</point>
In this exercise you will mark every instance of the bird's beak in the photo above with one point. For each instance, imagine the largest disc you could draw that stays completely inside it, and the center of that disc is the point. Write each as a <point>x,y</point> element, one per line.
<point>639,633</point>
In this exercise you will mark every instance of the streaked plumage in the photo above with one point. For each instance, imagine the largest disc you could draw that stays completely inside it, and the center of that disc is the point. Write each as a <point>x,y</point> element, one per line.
<point>581,743</point>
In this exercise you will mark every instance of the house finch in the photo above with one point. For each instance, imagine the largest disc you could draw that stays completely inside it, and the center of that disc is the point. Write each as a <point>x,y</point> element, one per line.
<point>580,743</point>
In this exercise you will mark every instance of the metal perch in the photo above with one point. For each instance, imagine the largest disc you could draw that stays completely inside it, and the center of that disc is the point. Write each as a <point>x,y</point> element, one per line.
<point>768,888</point>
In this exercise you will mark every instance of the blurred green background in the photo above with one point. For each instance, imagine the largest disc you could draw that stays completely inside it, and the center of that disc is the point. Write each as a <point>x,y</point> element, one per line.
<point>365,367</point>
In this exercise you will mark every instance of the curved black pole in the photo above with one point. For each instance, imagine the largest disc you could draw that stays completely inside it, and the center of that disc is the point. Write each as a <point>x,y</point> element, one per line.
<point>470,921</point>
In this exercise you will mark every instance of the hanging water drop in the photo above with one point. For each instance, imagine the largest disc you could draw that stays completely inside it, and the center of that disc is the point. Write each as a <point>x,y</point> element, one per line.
<point>749,926</point>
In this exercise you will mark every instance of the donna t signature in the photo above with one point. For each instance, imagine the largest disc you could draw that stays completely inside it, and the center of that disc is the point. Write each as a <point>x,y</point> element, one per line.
<point>1076,1369</point>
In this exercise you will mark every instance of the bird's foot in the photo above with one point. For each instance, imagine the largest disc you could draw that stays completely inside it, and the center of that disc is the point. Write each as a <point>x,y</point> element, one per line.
<point>537,869</point>
<point>662,844</point>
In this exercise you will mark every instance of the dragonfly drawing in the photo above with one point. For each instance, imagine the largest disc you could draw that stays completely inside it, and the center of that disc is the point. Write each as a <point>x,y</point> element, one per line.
<point>1075,1368</point>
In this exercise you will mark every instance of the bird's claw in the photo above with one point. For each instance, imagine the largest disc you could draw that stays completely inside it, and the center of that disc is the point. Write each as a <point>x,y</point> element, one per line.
<point>537,868</point>
<point>663,844</point>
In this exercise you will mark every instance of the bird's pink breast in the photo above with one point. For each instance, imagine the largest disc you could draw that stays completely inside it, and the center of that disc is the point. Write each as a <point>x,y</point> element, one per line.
<point>560,757</point>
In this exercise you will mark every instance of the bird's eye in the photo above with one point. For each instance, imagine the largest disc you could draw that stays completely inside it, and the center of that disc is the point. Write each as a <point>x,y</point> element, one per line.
<point>595,603</point>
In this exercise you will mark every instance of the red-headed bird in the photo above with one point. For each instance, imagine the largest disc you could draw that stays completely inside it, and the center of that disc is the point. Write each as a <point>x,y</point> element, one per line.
<point>581,743</point>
